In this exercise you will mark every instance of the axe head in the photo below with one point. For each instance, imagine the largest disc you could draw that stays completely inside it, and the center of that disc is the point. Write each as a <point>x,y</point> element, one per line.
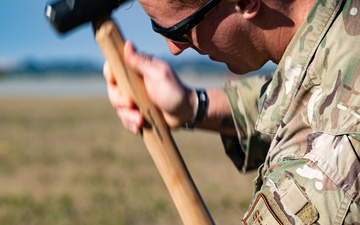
<point>66,15</point>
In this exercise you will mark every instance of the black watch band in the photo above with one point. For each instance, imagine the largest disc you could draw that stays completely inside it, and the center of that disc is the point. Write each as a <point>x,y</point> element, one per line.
<point>202,106</point>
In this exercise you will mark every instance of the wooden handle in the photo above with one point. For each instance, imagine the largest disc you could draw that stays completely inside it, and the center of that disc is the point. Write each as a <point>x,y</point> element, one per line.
<point>157,136</point>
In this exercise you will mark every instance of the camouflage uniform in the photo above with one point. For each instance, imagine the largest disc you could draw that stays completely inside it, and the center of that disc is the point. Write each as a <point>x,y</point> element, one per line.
<point>310,109</point>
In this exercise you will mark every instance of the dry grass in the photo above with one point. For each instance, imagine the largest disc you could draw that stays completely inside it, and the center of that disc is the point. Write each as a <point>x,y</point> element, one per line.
<point>68,161</point>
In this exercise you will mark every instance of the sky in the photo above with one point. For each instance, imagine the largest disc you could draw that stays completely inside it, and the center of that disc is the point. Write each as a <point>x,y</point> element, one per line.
<point>25,33</point>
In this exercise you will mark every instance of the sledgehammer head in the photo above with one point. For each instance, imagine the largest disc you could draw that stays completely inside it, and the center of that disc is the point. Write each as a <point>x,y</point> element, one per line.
<point>65,15</point>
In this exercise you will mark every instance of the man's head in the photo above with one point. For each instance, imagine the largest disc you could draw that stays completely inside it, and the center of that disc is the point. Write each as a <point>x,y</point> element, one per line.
<point>244,34</point>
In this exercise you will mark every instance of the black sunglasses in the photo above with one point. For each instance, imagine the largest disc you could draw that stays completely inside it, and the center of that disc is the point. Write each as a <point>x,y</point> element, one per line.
<point>176,33</point>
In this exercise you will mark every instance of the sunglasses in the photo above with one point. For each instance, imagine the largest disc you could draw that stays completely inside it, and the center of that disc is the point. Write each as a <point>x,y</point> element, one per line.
<point>176,33</point>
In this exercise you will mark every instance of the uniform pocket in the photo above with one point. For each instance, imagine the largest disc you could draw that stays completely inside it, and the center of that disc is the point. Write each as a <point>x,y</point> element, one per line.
<point>338,157</point>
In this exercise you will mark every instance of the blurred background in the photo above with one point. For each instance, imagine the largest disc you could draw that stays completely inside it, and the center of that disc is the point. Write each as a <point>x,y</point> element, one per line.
<point>64,156</point>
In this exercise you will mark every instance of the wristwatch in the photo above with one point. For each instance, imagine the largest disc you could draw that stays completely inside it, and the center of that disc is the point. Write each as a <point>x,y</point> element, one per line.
<point>202,106</point>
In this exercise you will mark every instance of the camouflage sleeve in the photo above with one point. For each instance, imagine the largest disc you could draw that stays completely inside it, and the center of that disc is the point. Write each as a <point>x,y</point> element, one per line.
<point>248,150</point>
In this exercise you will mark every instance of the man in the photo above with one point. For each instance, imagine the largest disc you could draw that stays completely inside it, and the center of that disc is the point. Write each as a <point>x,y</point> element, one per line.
<point>309,110</point>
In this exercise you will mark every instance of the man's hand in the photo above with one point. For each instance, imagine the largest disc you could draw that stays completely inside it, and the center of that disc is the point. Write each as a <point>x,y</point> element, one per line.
<point>176,101</point>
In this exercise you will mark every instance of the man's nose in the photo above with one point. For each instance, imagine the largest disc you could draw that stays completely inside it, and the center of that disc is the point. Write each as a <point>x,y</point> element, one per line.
<point>177,48</point>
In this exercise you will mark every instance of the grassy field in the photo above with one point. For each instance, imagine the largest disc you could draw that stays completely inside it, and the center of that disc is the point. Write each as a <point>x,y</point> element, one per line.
<point>68,161</point>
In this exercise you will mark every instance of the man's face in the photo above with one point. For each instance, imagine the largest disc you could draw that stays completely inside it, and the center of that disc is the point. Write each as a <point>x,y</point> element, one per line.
<point>222,35</point>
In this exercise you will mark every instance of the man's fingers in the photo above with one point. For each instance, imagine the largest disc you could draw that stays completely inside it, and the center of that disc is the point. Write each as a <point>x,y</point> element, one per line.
<point>108,73</point>
<point>125,107</point>
<point>131,119</point>
<point>142,63</point>
<point>119,99</point>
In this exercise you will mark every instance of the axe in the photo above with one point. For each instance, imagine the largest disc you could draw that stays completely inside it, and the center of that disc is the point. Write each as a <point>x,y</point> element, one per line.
<point>66,15</point>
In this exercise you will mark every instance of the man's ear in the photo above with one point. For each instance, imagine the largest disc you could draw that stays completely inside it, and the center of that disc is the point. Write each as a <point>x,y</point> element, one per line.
<point>249,8</point>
